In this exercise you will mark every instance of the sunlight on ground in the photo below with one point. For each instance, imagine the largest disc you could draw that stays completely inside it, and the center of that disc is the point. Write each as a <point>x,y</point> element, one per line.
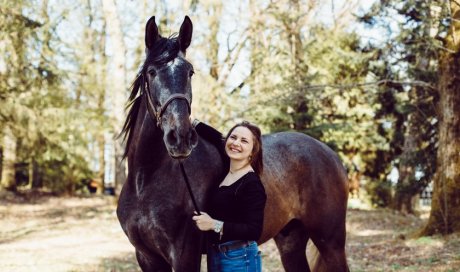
<point>427,245</point>
<point>359,203</point>
<point>369,232</point>
<point>83,235</point>
<point>60,235</point>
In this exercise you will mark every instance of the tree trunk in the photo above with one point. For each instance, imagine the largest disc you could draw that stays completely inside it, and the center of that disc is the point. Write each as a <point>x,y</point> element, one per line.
<point>215,12</point>
<point>34,177</point>
<point>445,206</point>
<point>139,53</point>
<point>402,200</point>
<point>213,52</point>
<point>117,88</point>
<point>407,187</point>
<point>8,181</point>
<point>94,67</point>
<point>293,28</point>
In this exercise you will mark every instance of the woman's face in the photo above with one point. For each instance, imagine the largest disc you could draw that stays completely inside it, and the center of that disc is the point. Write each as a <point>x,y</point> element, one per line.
<point>239,144</point>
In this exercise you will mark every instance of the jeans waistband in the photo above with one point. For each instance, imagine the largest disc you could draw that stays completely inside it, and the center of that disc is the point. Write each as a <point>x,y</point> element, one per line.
<point>223,248</point>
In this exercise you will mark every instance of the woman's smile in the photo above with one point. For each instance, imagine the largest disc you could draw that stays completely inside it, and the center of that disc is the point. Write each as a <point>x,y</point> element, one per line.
<point>234,149</point>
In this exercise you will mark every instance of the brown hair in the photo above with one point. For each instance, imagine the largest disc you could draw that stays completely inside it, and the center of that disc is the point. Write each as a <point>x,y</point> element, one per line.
<point>256,156</point>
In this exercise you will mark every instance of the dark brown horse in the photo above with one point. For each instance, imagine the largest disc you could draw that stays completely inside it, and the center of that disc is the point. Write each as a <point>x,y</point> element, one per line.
<point>305,182</point>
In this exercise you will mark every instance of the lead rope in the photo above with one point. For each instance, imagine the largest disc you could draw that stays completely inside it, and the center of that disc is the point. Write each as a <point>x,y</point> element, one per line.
<point>189,188</point>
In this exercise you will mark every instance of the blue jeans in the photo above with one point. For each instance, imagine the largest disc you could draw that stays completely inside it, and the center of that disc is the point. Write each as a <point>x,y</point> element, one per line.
<point>244,259</point>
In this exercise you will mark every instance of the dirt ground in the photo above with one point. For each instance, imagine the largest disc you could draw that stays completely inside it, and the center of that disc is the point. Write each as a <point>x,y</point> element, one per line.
<point>46,233</point>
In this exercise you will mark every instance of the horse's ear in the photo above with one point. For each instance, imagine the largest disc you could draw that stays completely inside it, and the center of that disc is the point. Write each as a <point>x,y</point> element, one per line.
<point>151,33</point>
<point>185,34</point>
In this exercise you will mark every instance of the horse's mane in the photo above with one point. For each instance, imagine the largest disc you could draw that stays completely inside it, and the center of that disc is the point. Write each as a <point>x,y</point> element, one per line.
<point>164,50</point>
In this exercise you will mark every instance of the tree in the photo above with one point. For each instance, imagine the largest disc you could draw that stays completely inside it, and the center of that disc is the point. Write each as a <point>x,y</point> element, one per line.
<point>91,60</point>
<point>415,164</point>
<point>116,85</point>
<point>215,54</point>
<point>407,117</point>
<point>39,102</point>
<point>304,76</point>
<point>445,209</point>
<point>15,81</point>
<point>9,159</point>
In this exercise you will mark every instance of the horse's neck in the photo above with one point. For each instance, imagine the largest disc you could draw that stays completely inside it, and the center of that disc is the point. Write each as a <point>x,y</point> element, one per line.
<point>149,149</point>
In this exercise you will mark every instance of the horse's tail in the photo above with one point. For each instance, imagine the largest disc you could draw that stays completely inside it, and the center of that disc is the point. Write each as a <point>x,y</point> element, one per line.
<point>314,257</point>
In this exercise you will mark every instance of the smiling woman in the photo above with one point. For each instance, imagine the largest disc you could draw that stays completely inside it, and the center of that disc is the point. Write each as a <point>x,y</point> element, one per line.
<point>239,145</point>
<point>236,219</point>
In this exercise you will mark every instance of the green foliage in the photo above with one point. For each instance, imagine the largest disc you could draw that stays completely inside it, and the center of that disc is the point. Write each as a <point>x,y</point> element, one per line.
<point>380,193</point>
<point>38,102</point>
<point>407,117</point>
<point>305,77</point>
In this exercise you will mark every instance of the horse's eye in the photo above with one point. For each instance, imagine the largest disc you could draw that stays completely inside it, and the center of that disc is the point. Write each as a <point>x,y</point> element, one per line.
<point>152,72</point>
<point>192,73</point>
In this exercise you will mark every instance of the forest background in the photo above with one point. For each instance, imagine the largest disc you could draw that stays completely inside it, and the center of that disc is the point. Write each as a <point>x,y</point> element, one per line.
<point>378,83</point>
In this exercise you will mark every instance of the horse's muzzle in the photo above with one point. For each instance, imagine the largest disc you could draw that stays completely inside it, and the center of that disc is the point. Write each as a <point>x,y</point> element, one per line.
<point>180,145</point>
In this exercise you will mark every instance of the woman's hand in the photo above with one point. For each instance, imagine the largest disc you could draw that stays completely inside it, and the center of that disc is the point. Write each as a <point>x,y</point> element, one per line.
<point>204,222</point>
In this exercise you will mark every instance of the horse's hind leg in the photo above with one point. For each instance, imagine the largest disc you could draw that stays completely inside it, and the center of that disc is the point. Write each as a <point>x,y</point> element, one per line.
<point>332,252</point>
<point>292,243</point>
<point>152,263</point>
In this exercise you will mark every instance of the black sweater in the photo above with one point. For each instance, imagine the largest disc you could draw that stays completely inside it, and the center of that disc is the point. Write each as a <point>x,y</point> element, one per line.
<point>241,207</point>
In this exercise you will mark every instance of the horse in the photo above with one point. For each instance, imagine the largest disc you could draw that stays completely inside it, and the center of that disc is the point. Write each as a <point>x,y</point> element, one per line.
<point>305,181</point>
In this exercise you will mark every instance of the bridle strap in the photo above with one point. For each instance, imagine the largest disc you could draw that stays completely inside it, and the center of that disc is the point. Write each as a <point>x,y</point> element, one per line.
<point>189,188</point>
<point>151,108</point>
<point>170,99</point>
<point>156,114</point>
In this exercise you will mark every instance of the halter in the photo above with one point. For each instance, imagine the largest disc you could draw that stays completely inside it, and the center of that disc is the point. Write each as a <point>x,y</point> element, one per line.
<point>157,113</point>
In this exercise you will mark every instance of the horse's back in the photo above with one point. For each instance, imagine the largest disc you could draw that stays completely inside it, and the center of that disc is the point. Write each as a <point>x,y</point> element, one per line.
<point>299,154</point>
<point>304,180</point>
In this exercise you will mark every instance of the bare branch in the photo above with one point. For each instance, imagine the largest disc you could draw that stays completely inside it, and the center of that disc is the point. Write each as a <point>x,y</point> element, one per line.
<point>380,82</point>
<point>456,2</point>
<point>231,61</point>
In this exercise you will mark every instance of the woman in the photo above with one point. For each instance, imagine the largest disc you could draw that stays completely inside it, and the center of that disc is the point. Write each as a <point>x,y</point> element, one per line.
<point>236,218</point>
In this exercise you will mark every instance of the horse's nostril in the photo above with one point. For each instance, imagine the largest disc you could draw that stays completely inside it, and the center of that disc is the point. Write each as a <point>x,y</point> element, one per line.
<point>193,136</point>
<point>171,138</point>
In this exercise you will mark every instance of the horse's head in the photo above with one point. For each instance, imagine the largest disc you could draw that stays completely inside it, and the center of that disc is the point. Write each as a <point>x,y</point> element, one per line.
<point>167,81</point>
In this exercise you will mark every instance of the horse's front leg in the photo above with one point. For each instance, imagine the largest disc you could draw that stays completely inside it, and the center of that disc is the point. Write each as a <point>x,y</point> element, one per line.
<point>152,263</point>
<point>187,252</point>
<point>188,263</point>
